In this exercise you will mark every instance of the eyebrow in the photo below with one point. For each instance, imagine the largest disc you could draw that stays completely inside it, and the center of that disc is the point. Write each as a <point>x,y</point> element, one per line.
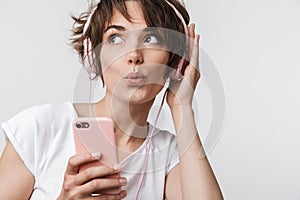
<point>120,28</point>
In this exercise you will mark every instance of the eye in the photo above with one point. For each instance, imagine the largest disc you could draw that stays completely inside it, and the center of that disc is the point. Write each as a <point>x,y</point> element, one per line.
<point>115,39</point>
<point>151,39</point>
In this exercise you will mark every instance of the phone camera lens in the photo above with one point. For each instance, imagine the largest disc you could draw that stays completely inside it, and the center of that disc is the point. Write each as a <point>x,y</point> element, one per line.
<point>78,125</point>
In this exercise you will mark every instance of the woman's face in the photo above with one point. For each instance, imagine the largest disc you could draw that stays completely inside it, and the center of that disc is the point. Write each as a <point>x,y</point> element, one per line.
<point>133,58</point>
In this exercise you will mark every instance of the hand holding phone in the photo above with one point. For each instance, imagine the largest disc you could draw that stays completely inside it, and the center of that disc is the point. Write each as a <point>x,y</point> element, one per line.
<point>87,185</point>
<point>96,135</point>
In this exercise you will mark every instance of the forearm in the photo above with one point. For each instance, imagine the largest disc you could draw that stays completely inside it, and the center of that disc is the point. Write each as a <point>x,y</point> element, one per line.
<point>198,179</point>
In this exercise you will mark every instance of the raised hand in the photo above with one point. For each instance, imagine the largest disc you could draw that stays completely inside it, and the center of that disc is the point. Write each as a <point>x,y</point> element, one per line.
<point>181,92</point>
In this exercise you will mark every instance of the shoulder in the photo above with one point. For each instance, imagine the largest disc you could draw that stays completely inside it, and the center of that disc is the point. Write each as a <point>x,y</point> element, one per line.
<point>42,113</point>
<point>39,119</point>
<point>39,126</point>
<point>37,131</point>
<point>45,111</point>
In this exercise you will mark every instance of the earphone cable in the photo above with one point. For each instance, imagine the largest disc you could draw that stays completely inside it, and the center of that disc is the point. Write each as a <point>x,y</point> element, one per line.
<point>90,96</point>
<point>149,144</point>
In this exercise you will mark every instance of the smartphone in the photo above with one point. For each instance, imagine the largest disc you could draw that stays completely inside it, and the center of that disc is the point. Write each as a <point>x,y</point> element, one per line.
<point>97,135</point>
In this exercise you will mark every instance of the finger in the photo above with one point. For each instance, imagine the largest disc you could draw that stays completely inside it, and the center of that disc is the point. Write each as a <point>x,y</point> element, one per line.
<point>191,38</point>
<point>194,59</point>
<point>107,191</point>
<point>191,30</point>
<point>102,184</point>
<point>121,195</point>
<point>79,159</point>
<point>115,197</point>
<point>111,191</point>
<point>94,172</point>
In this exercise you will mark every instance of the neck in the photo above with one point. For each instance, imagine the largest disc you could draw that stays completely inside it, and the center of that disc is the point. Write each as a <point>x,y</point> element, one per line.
<point>130,119</point>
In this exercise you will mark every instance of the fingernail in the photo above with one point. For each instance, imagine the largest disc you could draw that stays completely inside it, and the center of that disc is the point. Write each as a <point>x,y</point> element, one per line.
<point>117,167</point>
<point>198,38</point>
<point>124,193</point>
<point>193,26</point>
<point>95,155</point>
<point>123,181</point>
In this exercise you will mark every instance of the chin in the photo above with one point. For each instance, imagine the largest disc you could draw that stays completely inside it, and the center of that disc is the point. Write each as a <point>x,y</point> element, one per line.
<point>140,99</point>
<point>145,94</point>
<point>138,95</point>
<point>139,102</point>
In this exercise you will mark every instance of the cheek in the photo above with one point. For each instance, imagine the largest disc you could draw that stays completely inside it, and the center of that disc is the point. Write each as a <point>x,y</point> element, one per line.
<point>157,56</point>
<point>107,58</point>
<point>159,69</point>
<point>110,63</point>
<point>112,74</point>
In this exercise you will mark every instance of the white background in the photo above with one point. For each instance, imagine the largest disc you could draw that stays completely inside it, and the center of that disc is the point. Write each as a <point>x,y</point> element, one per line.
<point>255,46</point>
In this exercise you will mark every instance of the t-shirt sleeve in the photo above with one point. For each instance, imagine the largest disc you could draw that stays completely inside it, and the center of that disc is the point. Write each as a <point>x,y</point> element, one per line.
<point>173,154</point>
<point>22,131</point>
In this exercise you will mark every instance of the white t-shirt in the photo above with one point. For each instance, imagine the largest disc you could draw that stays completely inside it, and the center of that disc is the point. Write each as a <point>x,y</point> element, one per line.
<point>43,137</point>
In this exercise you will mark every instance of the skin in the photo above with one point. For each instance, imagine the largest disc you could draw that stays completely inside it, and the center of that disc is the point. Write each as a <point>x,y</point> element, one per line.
<point>193,178</point>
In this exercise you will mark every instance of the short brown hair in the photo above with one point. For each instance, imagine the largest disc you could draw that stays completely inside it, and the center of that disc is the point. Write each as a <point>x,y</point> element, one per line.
<point>157,13</point>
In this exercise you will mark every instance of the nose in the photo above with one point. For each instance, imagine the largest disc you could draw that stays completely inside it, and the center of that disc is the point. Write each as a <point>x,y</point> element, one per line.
<point>135,57</point>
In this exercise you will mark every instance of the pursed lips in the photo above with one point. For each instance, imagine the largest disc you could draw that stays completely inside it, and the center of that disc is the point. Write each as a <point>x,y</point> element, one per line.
<point>135,79</point>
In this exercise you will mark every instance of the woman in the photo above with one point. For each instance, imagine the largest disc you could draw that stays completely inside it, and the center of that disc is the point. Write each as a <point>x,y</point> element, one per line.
<point>39,160</point>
